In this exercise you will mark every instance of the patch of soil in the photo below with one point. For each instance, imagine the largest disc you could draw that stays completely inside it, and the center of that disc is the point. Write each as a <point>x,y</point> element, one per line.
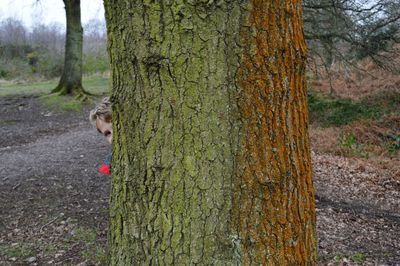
<point>25,120</point>
<point>54,203</point>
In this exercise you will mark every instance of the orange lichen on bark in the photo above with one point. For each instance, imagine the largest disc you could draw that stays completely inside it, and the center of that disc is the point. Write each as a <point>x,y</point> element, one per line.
<point>274,185</point>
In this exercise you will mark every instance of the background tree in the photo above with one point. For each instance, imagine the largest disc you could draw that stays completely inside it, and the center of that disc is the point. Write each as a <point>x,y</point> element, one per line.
<point>95,57</point>
<point>351,30</point>
<point>13,32</point>
<point>211,152</point>
<point>50,37</point>
<point>13,39</point>
<point>13,47</point>
<point>71,79</point>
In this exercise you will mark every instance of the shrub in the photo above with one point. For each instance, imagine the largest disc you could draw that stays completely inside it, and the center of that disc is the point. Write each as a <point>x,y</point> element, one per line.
<point>12,69</point>
<point>95,63</point>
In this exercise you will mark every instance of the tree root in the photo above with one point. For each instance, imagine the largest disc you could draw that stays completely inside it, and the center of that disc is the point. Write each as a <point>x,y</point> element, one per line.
<point>78,91</point>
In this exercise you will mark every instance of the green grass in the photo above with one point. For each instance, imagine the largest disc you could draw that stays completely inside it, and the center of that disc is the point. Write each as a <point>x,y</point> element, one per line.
<point>95,254</point>
<point>356,258</point>
<point>91,250</point>
<point>49,249</point>
<point>10,89</point>
<point>338,258</point>
<point>393,145</point>
<point>351,147</point>
<point>327,111</point>
<point>61,103</point>
<point>19,250</point>
<point>96,85</point>
<point>349,141</point>
<point>85,235</point>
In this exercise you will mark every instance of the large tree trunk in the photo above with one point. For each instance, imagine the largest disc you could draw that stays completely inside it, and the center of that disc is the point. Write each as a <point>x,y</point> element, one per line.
<point>71,79</point>
<point>211,157</point>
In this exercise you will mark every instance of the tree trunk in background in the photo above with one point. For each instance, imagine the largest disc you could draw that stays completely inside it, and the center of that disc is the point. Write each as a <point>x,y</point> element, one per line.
<point>71,79</point>
<point>211,157</point>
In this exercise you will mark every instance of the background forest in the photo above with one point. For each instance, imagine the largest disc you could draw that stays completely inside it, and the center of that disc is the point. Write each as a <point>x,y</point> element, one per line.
<point>354,110</point>
<point>38,53</point>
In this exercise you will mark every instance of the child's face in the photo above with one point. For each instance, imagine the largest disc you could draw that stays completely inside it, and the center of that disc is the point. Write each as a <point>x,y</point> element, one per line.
<point>104,128</point>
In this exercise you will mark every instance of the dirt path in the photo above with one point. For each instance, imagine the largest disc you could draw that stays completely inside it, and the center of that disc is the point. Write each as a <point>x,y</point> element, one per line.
<point>54,203</point>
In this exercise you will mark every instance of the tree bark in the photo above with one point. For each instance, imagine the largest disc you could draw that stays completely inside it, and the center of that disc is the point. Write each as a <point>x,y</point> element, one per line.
<point>211,158</point>
<point>71,79</point>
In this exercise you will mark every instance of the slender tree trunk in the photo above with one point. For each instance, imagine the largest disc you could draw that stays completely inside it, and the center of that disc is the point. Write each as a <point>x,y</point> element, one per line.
<point>211,157</point>
<point>71,79</point>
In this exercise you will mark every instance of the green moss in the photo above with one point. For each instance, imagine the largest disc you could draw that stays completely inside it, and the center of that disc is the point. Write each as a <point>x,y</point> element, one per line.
<point>190,165</point>
<point>194,70</point>
<point>154,21</point>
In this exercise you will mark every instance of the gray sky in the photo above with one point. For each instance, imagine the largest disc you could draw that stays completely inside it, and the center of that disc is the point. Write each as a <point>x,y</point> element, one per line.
<point>47,11</point>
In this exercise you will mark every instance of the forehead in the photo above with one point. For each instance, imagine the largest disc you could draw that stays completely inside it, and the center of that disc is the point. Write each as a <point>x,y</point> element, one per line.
<point>103,125</point>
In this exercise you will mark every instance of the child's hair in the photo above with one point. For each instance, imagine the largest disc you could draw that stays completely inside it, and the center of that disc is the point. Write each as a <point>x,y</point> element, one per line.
<point>101,111</point>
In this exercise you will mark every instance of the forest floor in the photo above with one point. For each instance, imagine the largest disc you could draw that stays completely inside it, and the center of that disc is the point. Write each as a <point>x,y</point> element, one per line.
<point>54,203</point>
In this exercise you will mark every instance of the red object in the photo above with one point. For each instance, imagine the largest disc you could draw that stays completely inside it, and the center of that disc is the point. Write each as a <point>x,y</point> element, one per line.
<point>104,169</point>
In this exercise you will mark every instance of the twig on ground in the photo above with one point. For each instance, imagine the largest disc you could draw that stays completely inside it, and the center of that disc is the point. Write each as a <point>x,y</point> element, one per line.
<point>16,186</point>
<point>52,221</point>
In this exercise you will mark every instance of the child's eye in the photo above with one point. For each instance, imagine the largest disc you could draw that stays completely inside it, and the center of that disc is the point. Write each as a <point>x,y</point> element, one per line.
<point>107,133</point>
